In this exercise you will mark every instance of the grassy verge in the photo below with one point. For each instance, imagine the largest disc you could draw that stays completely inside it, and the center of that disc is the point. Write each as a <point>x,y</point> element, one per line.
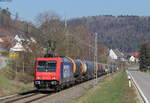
<point>148,72</point>
<point>113,90</point>
<point>10,86</point>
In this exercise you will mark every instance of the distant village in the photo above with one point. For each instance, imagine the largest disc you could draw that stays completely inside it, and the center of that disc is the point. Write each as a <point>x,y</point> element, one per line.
<point>12,46</point>
<point>19,43</point>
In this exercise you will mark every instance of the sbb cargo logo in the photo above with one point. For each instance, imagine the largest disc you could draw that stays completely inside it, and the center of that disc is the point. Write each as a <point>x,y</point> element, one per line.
<point>66,71</point>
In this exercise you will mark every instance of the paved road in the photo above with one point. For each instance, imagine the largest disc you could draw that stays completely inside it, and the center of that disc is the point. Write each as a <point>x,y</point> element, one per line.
<point>143,82</point>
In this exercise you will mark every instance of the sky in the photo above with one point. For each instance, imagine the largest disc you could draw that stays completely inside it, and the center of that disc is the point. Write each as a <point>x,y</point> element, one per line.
<point>29,9</point>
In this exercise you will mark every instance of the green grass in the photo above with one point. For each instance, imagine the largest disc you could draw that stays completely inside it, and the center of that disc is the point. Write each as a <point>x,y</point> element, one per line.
<point>9,86</point>
<point>148,72</point>
<point>4,82</point>
<point>112,90</point>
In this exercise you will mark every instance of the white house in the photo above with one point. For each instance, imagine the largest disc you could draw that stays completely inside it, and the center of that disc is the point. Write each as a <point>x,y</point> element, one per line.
<point>17,48</point>
<point>19,38</point>
<point>132,59</point>
<point>113,55</point>
<point>33,40</point>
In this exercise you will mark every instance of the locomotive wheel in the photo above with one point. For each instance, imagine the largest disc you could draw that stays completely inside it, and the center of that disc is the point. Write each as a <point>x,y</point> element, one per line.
<point>57,88</point>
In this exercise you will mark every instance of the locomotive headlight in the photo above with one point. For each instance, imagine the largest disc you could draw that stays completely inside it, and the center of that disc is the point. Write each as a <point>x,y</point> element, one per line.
<point>37,82</point>
<point>53,78</point>
<point>53,82</point>
<point>38,77</point>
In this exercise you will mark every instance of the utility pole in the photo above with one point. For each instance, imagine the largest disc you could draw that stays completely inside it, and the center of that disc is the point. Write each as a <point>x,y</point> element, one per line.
<point>66,23</point>
<point>67,38</point>
<point>90,49</point>
<point>27,29</point>
<point>95,58</point>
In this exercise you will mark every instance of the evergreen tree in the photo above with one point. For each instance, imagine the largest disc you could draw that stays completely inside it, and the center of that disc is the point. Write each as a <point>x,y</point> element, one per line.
<point>144,57</point>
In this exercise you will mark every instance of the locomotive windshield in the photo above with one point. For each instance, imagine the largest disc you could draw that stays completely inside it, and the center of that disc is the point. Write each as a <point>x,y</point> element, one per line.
<point>46,66</point>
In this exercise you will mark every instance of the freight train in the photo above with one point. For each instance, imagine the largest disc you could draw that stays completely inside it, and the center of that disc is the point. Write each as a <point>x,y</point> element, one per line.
<point>59,72</point>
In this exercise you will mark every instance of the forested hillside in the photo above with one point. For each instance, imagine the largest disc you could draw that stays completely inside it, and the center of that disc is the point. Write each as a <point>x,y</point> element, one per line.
<point>124,32</point>
<point>52,35</point>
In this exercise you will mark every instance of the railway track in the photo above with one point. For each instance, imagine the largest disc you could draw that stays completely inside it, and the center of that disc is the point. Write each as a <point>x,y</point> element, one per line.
<point>35,99</point>
<point>35,96</point>
<point>28,98</point>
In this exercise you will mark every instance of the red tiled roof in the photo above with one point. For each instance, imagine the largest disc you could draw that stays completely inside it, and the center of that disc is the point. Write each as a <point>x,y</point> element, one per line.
<point>135,54</point>
<point>5,38</point>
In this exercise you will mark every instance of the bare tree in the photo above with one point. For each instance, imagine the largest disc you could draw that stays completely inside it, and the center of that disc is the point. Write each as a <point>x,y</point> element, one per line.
<point>51,29</point>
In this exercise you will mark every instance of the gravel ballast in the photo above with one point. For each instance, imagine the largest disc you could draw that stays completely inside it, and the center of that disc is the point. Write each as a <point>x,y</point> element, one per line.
<point>70,93</point>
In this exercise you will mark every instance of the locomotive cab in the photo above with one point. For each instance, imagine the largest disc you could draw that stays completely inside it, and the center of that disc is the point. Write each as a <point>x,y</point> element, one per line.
<point>47,72</point>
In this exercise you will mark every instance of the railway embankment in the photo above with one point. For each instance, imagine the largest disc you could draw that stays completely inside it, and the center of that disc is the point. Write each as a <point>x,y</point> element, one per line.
<point>10,85</point>
<point>114,89</point>
<point>110,89</point>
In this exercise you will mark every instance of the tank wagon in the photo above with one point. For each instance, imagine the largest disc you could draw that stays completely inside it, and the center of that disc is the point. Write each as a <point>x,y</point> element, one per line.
<point>59,72</point>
